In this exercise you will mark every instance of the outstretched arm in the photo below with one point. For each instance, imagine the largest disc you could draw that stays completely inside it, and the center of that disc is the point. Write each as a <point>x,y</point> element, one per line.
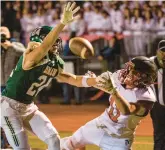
<point>79,81</point>
<point>34,56</point>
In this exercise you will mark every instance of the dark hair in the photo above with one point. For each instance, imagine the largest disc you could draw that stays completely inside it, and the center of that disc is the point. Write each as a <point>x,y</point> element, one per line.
<point>105,12</point>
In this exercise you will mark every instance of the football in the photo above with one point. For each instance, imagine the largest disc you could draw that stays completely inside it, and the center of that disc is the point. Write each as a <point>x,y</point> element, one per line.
<point>81,47</point>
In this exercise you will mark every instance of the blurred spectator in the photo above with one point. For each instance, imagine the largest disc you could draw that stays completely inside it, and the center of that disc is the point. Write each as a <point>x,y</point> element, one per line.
<point>136,21</point>
<point>145,7</point>
<point>98,4</point>
<point>126,4</point>
<point>154,12</point>
<point>92,15</point>
<point>148,21</point>
<point>88,12</point>
<point>127,18</point>
<point>136,4</point>
<point>34,6</point>
<point>116,18</point>
<point>8,12</point>
<point>10,52</point>
<point>17,6</point>
<point>111,53</point>
<point>17,29</point>
<point>128,41</point>
<point>26,5</point>
<point>97,18</point>
<point>67,89</point>
<point>79,25</point>
<point>28,24</point>
<point>49,11</point>
<point>55,19</point>
<point>160,23</point>
<point>94,25</point>
<point>136,27</point>
<point>39,17</point>
<point>148,27</point>
<point>106,22</point>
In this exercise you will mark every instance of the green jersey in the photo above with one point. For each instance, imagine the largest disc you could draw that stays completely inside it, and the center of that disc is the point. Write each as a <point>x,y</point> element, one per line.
<point>24,85</point>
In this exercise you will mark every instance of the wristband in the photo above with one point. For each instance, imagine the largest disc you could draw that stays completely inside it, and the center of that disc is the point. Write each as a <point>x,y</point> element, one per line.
<point>84,81</point>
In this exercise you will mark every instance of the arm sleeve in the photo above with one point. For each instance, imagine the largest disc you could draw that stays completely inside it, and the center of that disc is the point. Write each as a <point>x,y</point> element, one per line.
<point>19,47</point>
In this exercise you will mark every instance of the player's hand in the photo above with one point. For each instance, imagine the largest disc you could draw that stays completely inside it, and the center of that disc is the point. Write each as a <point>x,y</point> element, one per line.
<point>106,82</point>
<point>68,13</point>
<point>90,74</point>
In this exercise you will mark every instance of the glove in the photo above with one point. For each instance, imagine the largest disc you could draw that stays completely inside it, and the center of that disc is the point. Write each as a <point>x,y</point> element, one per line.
<point>68,13</point>
<point>105,82</point>
<point>90,74</point>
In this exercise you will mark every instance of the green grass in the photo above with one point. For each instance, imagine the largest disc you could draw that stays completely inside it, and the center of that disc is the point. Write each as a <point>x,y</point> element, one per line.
<point>141,142</point>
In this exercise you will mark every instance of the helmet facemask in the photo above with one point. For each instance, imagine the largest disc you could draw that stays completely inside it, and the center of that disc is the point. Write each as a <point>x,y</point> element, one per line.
<point>134,77</point>
<point>57,47</point>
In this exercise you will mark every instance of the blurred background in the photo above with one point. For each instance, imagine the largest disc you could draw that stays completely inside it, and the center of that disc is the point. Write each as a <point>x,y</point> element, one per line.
<point>118,31</point>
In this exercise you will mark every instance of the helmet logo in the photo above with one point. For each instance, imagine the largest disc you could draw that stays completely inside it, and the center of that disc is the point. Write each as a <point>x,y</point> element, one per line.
<point>36,32</point>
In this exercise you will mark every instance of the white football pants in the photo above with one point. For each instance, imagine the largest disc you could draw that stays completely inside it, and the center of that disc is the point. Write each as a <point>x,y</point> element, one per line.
<point>90,133</point>
<point>16,117</point>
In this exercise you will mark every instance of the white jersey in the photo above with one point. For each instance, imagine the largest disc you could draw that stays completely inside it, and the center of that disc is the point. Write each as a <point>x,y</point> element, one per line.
<point>113,121</point>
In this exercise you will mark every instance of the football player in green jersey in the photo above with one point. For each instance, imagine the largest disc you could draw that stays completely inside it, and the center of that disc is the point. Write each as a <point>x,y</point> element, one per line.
<point>36,68</point>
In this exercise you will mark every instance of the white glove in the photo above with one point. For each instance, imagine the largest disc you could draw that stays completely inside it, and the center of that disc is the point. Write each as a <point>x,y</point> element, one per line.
<point>68,13</point>
<point>90,74</point>
<point>106,82</point>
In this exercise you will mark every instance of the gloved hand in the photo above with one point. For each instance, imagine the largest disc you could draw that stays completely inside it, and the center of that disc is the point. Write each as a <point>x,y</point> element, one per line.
<point>106,82</point>
<point>68,13</point>
<point>90,74</point>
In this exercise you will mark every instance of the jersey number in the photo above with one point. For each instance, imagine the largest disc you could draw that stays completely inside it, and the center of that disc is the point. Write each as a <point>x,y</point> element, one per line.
<point>114,113</point>
<point>35,88</point>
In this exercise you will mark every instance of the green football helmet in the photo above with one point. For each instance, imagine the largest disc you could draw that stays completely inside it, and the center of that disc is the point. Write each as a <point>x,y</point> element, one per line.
<point>38,35</point>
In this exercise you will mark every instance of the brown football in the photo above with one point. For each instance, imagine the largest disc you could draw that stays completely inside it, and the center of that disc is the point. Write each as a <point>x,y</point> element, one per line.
<point>81,47</point>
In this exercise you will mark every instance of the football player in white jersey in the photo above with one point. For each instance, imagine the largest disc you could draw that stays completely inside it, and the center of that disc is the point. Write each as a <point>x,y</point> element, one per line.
<point>131,98</point>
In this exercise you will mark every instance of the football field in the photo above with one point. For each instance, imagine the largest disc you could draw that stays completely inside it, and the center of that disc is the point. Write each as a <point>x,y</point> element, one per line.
<point>68,119</point>
<point>141,142</point>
